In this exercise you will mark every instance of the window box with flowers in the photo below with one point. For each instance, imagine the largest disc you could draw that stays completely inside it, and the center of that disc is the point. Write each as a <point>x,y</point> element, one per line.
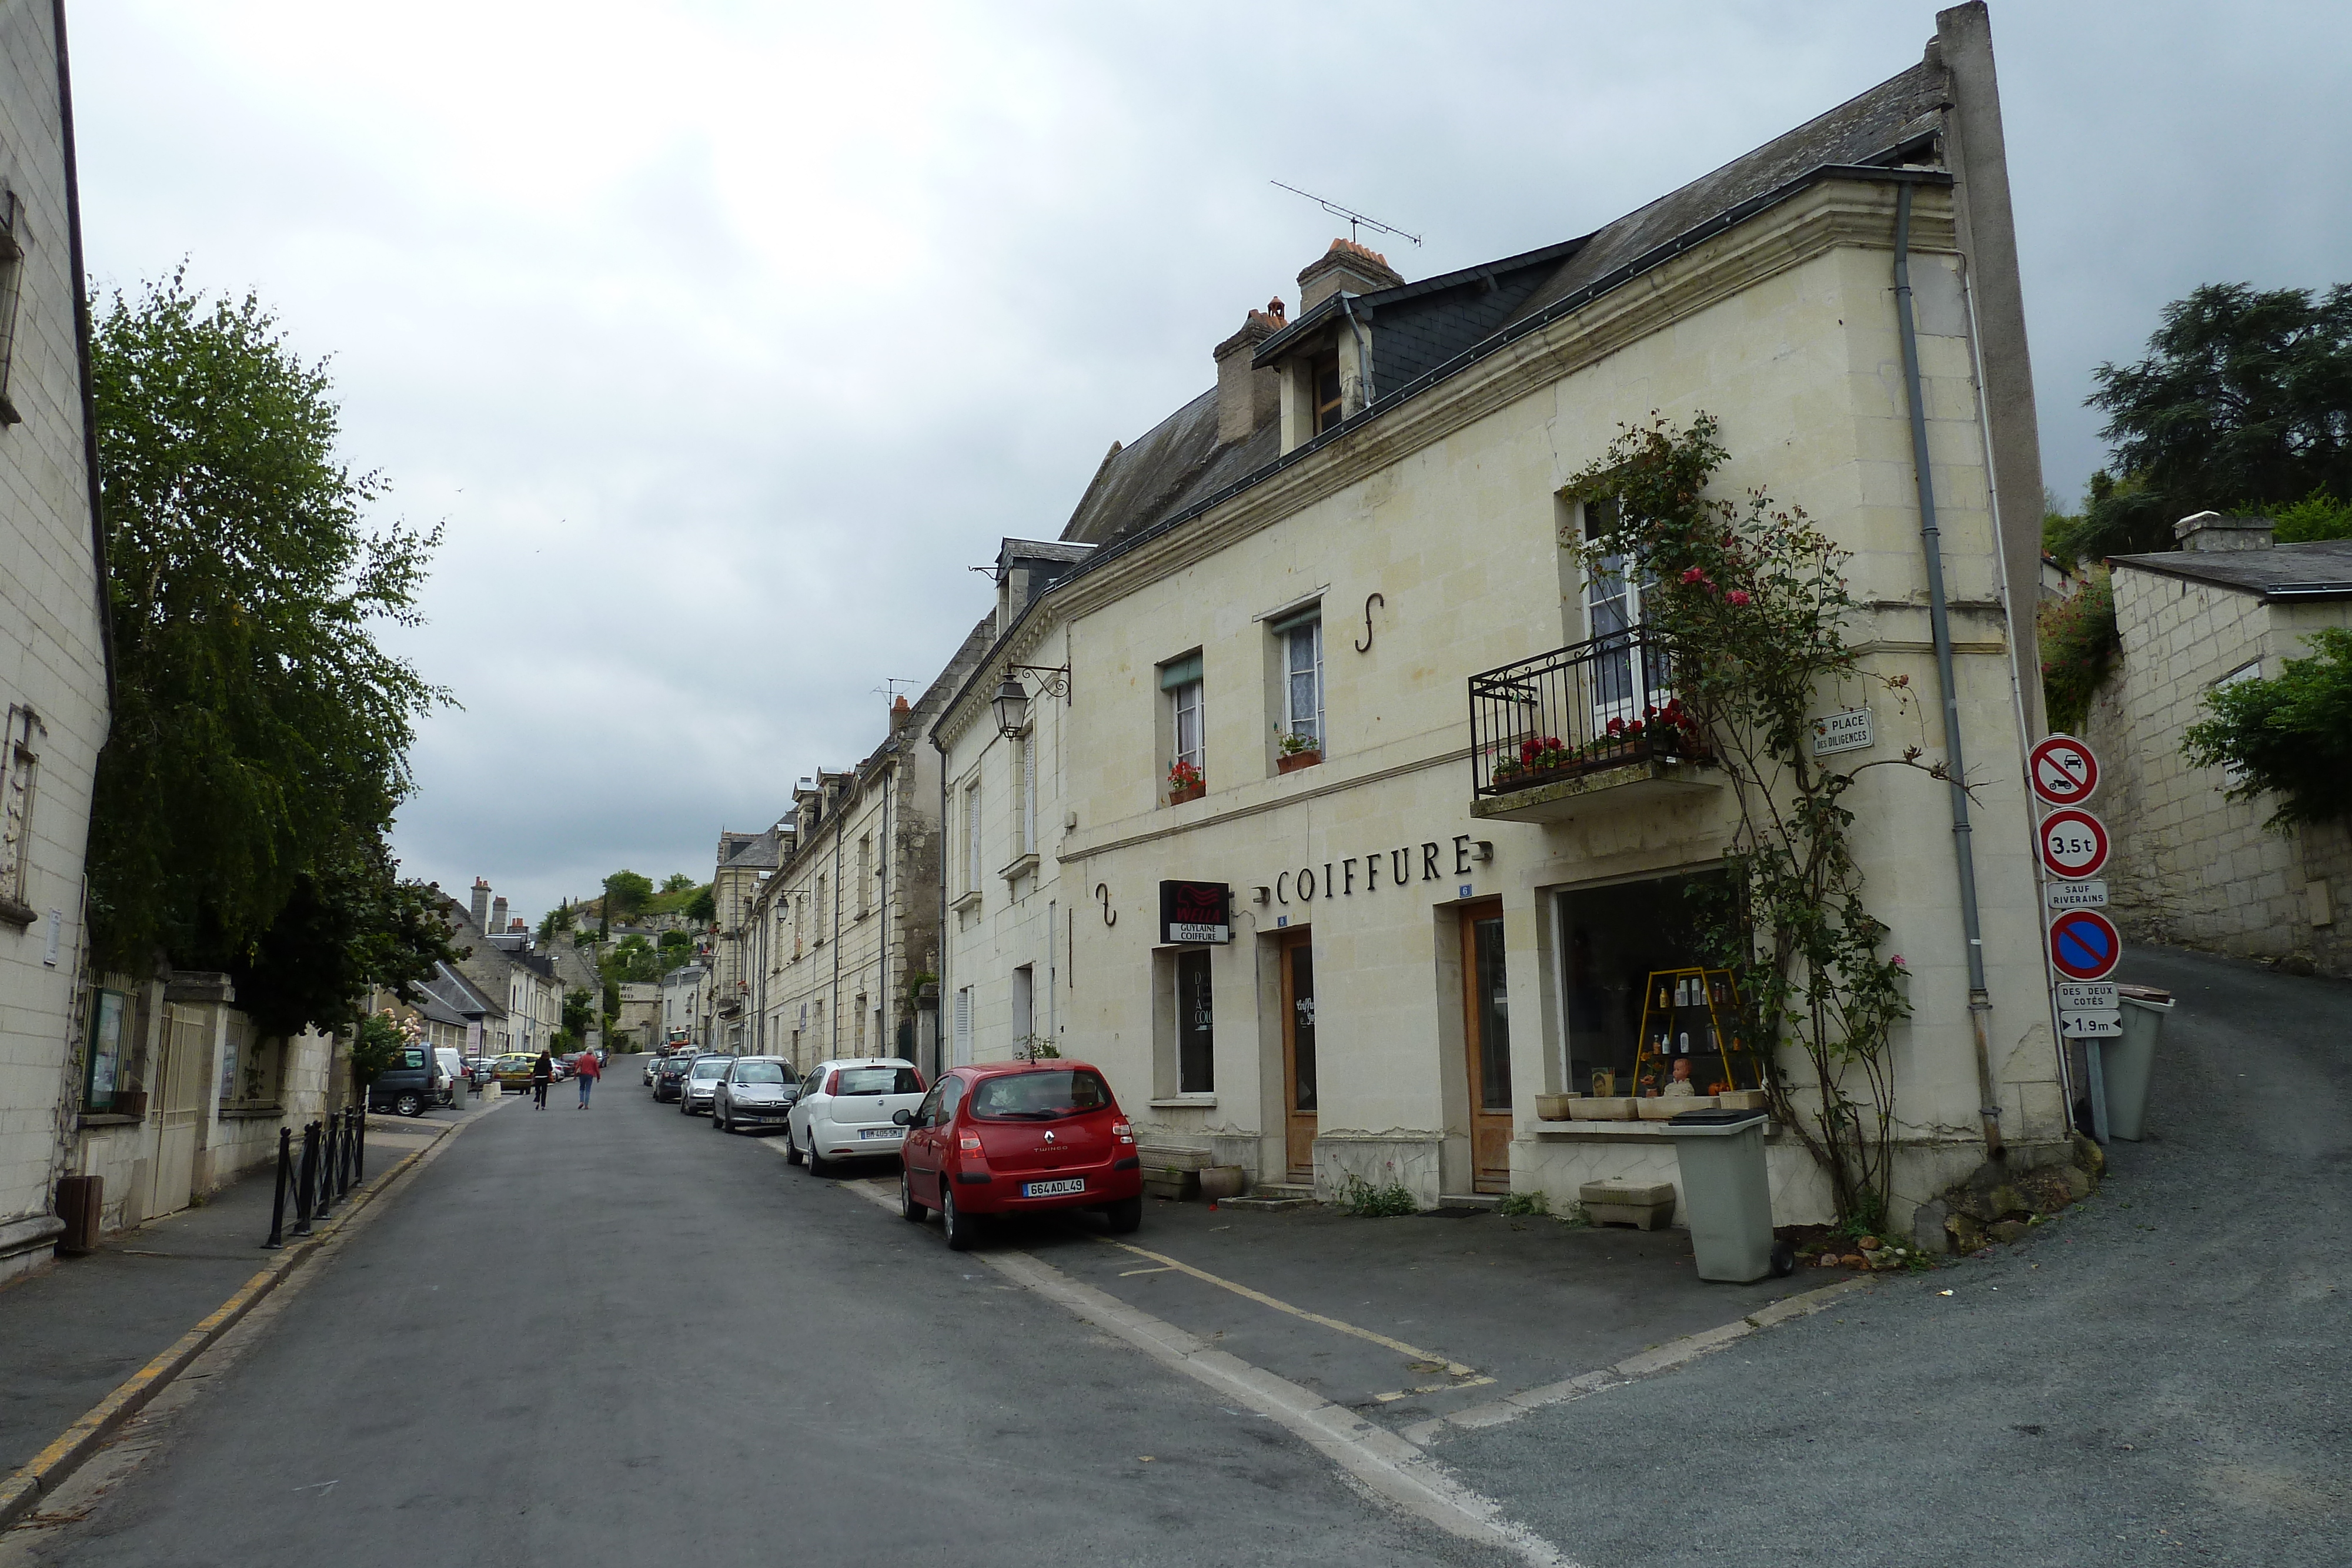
<point>1185,782</point>
<point>1294,751</point>
<point>1666,732</point>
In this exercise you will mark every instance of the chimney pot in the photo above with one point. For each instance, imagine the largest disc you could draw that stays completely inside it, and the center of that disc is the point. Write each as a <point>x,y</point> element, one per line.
<point>1248,399</point>
<point>2209,531</point>
<point>481,907</point>
<point>1346,267</point>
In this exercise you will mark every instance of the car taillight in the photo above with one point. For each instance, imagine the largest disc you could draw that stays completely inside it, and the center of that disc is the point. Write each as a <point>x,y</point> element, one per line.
<point>970,1144</point>
<point>1124,1132</point>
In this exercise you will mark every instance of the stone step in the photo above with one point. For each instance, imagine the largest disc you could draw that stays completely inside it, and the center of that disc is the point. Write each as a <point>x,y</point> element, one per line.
<point>1486,1200</point>
<point>1274,1196</point>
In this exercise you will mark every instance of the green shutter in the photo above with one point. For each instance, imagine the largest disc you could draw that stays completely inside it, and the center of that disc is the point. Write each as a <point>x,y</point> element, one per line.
<point>1182,672</point>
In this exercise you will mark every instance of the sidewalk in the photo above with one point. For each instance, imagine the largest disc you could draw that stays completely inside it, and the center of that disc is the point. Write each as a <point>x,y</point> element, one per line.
<point>77,1331</point>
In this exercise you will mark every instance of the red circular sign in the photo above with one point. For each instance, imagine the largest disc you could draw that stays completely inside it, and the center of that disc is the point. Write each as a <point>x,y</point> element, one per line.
<point>2085,944</point>
<point>2063,771</point>
<point>2074,844</point>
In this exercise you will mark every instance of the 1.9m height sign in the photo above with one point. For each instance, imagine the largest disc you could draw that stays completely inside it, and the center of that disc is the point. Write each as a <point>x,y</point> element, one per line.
<point>2083,945</point>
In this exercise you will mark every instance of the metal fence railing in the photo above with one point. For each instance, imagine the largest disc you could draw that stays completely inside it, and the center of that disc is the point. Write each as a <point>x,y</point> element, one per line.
<point>1577,710</point>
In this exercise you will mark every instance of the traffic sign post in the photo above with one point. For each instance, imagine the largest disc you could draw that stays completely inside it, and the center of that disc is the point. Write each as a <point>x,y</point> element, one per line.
<point>2063,770</point>
<point>2074,844</point>
<point>2085,944</point>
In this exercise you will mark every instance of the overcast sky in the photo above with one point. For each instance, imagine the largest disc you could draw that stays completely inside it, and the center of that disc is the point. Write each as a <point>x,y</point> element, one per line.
<point>722,339</point>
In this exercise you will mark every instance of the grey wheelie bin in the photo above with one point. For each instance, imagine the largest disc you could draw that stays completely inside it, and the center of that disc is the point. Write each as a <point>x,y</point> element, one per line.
<point>2129,1063</point>
<point>1729,1197</point>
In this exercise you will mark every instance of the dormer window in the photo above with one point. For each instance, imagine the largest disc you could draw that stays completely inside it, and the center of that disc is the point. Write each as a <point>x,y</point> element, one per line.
<point>1323,376</point>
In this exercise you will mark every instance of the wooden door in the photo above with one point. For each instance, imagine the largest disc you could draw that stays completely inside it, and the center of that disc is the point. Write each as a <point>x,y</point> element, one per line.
<point>183,1104</point>
<point>1299,1099</point>
<point>1486,1043</point>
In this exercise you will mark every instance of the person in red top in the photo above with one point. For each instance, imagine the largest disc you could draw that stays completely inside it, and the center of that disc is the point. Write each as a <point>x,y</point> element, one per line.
<point>586,1068</point>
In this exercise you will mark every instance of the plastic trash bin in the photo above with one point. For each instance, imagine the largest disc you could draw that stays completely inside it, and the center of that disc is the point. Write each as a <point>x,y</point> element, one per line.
<point>2128,1062</point>
<point>1728,1195</point>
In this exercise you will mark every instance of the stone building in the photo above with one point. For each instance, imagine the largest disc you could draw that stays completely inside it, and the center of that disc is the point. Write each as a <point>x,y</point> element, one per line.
<point>684,1007</point>
<point>499,958</point>
<point>745,863</point>
<point>54,656</point>
<point>2188,865</point>
<point>1341,944</point>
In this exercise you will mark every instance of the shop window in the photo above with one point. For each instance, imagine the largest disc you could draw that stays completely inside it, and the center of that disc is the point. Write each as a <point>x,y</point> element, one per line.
<point>107,1022</point>
<point>1614,938</point>
<point>1196,1025</point>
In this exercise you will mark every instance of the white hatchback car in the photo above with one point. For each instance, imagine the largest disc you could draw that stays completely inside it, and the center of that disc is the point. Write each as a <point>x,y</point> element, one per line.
<point>846,1108</point>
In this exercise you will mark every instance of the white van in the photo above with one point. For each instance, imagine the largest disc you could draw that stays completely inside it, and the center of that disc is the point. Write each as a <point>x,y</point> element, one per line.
<point>449,1071</point>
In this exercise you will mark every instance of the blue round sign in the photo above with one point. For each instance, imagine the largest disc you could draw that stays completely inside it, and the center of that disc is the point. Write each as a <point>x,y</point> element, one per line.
<point>2085,944</point>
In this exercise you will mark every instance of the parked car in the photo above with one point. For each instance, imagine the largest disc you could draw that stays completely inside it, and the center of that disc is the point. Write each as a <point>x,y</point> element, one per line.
<point>562,1065</point>
<point>755,1092</point>
<point>652,1061</point>
<point>513,1070</point>
<point>407,1085</point>
<point>450,1071</point>
<point>846,1108</point>
<point>1019,1137</point>
<point>670,1077</point>
<point>479,1069</point>
<point>700,1082</point>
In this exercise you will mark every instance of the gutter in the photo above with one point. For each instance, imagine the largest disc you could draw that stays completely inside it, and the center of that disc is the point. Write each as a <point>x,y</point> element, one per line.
<point>81,348</point>
<point>1940,625</point>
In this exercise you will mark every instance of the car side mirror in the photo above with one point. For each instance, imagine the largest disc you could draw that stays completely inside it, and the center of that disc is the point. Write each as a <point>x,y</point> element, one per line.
<point>903,1118</point>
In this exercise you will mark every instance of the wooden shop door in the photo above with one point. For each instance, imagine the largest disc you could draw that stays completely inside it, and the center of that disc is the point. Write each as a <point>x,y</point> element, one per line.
<point>1299,1114</point>
<point>180,1107</point>
<point>1486,1044</point>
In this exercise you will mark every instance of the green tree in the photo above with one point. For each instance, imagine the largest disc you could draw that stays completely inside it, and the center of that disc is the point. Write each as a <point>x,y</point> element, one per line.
<point>579,1011</point>
<point>2243,402</point>
<point>377,1040</point>
<point>2290,736</point>
<point>702,908</point>
<point>677,882</point>
<point>626,893</point>
<point>259,736</point>
<point>555,922</point>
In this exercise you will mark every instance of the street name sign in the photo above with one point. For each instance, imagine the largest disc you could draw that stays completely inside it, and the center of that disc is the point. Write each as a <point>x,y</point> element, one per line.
<point>2077,895</point>
<point>2063,771</point>
<point>2105,1023</point>
<point>1847,731</point>
<point>2085,944</point>
<point>2074,844</point>
<point>2095,996</point>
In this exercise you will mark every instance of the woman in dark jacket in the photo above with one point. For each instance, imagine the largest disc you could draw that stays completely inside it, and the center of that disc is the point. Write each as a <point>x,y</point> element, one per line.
<point>542,1074</point>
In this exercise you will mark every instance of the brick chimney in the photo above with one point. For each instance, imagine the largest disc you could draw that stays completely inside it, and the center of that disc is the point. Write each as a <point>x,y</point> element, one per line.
<point>901,715</point>
<point>497,914</point>
<point>2212,531</point>
<point>1346,267</point>
<point>481,910</point>
<point>1247,399</point>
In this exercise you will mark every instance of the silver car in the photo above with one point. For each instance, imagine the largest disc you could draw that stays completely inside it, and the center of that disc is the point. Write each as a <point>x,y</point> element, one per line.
<point>756,1092</point>
<point>700,1082</point>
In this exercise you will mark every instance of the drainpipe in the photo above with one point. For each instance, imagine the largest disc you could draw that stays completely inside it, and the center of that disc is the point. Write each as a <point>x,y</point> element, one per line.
<point>941,1050</point>
<point>1940,624</point>
<point>1363,346</point>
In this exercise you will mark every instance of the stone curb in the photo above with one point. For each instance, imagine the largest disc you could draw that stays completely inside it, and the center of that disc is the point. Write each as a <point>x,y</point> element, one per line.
<point>21,1492</point>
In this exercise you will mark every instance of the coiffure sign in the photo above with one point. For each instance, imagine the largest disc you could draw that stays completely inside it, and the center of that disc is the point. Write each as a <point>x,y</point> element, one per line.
<point>1192,913</point>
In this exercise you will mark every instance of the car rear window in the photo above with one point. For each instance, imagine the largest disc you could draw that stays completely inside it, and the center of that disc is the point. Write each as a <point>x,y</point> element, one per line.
<point>878,1081</point>
<point>709,1068</point>
<point>1040,1096</point>
<point>759,1072</point>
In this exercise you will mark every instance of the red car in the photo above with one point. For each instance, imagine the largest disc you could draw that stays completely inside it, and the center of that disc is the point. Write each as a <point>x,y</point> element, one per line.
<point>1018,1137</point>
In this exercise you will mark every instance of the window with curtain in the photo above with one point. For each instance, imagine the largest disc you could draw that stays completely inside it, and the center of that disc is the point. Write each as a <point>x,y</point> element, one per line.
<point>1302,678</point>
<point>1181,681</point>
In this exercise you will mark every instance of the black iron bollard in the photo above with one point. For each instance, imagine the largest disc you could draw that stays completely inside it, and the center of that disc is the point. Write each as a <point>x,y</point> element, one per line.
<point>285,1177</point>
<point>327,1157</point>
<point>351,1119</point>
<point>359,1149</point>
<point>306,1185</point>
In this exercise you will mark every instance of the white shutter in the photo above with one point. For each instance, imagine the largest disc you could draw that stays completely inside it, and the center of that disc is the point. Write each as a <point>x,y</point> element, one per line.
<point>962,1025</point>
<point>1029,794</point>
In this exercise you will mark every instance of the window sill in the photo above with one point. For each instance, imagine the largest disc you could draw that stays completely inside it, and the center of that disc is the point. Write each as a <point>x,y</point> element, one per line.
<point>1186,1101</point>
<point>1617,1132</point>
<point>969,901</point>
<point>18,914</point>
<point>1023,867</point>
<point>251,1112</point>
<point>106,1119</point>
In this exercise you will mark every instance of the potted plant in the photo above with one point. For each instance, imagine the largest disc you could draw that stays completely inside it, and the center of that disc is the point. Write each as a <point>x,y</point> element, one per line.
<point>1295,751</point>
<point>1185,782</point>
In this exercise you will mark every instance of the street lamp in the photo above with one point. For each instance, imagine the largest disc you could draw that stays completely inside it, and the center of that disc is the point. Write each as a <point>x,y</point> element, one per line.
<point>1012,705</point>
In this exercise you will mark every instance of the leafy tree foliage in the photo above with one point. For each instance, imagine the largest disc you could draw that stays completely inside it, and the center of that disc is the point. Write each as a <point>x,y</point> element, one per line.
<point>2245,402</point>
<point>677,882</point>
<point>2291,736</point>
<point>702,908</point>
<point>260,738</point>
<point>579,1012</point>
<point>626,893</point>
<point>2080,643</point>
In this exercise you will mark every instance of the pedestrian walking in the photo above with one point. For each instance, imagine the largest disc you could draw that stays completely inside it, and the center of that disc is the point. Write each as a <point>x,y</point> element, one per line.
<point>542,1074</point>
<point>588,1069</point>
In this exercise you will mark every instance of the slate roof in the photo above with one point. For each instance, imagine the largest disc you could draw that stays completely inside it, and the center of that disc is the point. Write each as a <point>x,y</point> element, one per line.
<point>1167,469</point>
<point>761,851</point>
<point>2283,573</point>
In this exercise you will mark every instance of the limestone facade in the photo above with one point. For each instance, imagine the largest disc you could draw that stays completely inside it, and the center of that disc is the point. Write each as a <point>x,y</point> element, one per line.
<point>53,636</point>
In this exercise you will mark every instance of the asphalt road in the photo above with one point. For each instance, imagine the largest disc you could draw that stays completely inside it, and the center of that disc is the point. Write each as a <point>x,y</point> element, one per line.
<point>618,1337</point>
<point>2163,1375</point>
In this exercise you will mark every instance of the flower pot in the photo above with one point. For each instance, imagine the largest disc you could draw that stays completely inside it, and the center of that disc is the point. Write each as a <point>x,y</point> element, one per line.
<point>1610,1108</point>
<point>1221,1182</point>
<point>1178,794</point>
<point>1554,1107</point>
<point>1291,762</point>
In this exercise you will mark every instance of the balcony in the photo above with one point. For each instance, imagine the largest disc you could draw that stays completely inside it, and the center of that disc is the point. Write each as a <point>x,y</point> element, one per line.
<point>1582,728</point>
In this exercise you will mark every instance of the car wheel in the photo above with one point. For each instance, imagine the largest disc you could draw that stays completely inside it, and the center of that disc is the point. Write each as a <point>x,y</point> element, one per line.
<point>1125,1215</point>
<point>816,1161</point>
<point>685,1105</point>
<point>909,1210</point>
<point>791,1147</point>
<point>953,1220</point>
<point>408,1103</point>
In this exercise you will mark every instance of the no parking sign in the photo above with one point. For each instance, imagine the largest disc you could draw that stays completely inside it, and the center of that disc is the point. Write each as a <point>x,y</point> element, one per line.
<point>2085,944</point>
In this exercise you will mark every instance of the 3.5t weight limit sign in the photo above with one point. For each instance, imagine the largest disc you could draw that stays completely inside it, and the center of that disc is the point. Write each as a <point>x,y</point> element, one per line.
<point>2063,771</point>
<point>2074,844</point>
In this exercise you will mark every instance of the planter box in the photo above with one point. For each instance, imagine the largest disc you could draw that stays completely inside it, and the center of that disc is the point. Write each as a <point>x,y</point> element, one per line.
<point>1744,1100</point>
<point>1191,792</point>
<point>1611,1108</point>
<point>1295,760</point>
<point>1555,1107</point>
<point>1221,1182</point>
<point>1664,1108</point>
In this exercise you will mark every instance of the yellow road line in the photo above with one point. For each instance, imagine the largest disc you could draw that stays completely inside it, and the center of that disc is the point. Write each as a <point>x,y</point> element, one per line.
<point>1411,1351</point>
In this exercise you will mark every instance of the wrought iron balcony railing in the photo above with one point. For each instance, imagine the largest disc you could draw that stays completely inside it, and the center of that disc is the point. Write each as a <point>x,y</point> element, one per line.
<point>1578,710</point>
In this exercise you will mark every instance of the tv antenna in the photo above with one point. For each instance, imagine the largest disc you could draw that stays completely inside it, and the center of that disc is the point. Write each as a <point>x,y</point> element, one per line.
<point>1354,218</point>
<point>891,684</point>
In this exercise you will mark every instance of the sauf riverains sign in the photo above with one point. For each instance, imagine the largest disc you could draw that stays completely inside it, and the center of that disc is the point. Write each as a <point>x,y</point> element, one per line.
<point>1196,911</point>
